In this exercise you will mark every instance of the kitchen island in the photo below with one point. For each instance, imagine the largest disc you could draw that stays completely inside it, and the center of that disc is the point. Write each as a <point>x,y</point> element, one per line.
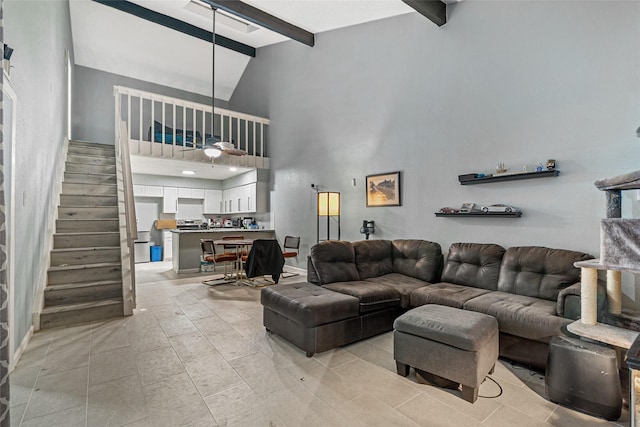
<point>186,244</point>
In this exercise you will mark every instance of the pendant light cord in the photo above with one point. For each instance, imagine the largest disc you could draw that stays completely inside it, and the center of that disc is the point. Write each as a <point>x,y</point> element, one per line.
<point>213,76</point>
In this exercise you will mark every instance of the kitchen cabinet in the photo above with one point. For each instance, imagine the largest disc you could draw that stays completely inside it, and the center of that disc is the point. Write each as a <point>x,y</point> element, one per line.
<point>249,198</point>
<point>147,191</point>
<point>212,201</point>
<point>167,244</point>
<point>190,193</point>
<point>170,200</point>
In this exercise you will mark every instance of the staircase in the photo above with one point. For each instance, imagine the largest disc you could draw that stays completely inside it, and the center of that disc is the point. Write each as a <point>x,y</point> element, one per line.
<point>84,281</point>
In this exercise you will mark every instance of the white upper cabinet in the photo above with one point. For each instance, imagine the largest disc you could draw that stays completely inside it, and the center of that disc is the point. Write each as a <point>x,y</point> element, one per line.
<point>212,201</point>
<point>190,193</point>
<point>147,191</point>
<point>244,199</point>
<point>170,200</point>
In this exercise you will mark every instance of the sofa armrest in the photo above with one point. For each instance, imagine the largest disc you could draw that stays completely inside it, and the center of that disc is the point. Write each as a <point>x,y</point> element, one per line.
<point>312,274</point>
<point>568,303</point>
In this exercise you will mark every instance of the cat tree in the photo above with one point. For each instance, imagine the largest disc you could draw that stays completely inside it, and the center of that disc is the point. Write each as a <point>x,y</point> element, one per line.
<point>619,252</point>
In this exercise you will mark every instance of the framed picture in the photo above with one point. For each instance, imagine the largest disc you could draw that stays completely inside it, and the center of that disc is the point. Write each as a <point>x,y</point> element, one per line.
<point>383,189</point>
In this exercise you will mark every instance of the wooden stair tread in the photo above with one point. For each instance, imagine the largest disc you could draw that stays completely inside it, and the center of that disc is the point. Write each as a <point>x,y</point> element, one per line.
<point>80,306</point>
<point>62,286</point>
<point>87,219</point>
<point>86,248</point>
<point>80,233</point>
<point>83,266</point>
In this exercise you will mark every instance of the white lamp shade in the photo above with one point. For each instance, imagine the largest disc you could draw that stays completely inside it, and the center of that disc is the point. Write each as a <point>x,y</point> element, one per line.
<point>328,204</point>
<point>213,152</point>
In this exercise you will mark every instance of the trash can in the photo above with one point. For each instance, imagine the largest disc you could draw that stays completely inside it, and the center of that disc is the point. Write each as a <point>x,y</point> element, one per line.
<point>156,253</point>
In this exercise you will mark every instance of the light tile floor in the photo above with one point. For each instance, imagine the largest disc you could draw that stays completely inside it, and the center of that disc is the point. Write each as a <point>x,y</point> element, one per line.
<point>199,356</point>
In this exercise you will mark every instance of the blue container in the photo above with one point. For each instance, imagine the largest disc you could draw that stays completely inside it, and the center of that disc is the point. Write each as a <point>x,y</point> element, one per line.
<point>156,253</point>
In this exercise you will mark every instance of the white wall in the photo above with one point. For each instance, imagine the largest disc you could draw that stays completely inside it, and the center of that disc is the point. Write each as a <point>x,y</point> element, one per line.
<point>513,82</point>
<point>39,32</point>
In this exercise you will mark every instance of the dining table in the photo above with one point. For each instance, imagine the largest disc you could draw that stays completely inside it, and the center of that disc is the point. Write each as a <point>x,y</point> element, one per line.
<point>240,245</point>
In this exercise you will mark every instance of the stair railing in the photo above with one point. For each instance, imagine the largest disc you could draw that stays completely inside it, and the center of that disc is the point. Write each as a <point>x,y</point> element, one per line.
<point>168,127</point>
<point>126,216</point>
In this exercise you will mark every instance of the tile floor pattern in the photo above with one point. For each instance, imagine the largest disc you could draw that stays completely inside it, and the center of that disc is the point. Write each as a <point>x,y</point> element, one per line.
<point>194,355</point>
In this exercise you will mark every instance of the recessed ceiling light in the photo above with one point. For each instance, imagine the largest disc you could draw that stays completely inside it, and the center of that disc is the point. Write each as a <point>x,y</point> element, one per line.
<point>233,168</point>
<point>188,172</point>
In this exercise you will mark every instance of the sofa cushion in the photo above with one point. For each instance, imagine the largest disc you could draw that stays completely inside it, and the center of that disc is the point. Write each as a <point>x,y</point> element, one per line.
<point>473,264</point>
<point>334,261</point>
<point>539,272</point>
<point>372,296</point>
<point>519,315</point>
<point>458,328</point>
<point>419,259</point>
<point>405,285</point>
<point>448,294</point>
<point>309,305</point>
<point>373,258</point>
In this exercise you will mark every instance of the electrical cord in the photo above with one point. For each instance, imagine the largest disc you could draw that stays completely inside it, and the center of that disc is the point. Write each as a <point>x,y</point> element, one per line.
<point>499,387</point>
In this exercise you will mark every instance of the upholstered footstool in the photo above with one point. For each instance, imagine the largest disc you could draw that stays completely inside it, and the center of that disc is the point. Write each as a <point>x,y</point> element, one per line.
<point>459,345</point>
<point>311,317</point>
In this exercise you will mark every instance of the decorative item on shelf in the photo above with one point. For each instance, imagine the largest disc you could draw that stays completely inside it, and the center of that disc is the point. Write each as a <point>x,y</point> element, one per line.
<point>368,227</point>
<point>329,207</point>
<point>539,167</point>
<point>524,169</point>
<point>449,210</point>
<point>467,207</point>
<point>501,168</point>
<point>467,177</point>
<point>383,189</point>
<point>551,164</point>
<point>499,208</point>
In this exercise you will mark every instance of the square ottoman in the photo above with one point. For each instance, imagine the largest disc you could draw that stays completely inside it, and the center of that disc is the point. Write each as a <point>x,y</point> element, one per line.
<point>459,345</point>
<point>311,317</point>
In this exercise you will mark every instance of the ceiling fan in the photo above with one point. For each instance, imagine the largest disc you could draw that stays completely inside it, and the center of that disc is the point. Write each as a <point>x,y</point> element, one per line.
<point>212,146</point>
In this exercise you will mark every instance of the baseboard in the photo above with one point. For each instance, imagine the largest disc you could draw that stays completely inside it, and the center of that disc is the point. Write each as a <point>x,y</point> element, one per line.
<point>38,302</point>
<point>290,271</point>
<point>23,346</point>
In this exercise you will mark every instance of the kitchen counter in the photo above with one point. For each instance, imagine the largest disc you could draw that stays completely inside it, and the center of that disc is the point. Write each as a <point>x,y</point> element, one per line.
<point>186,244</point>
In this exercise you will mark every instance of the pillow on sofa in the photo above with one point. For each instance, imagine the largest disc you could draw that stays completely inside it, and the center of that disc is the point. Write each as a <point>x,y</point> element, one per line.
<point>540,272</point>
<point>473,264</point>
<point>373,258</point>
<point>419,259</point>
<point>334,261</point>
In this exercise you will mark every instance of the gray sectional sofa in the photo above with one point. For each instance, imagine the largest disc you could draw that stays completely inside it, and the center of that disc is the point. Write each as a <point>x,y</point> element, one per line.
<point>533,292</point>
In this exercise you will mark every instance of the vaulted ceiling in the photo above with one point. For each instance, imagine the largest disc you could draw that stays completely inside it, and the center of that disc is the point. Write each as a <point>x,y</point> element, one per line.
<point>111,40</point>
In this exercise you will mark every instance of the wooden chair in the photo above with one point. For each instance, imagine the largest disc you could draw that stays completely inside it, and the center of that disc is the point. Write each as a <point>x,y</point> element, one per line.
<point>291,248</point>
<point>209,255</point>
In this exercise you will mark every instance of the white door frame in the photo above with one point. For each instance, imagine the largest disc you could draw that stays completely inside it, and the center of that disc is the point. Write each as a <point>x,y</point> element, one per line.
<point>11,228</point>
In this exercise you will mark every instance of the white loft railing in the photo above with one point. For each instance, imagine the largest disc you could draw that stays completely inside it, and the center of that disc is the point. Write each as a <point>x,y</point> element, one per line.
<point>172,128</point>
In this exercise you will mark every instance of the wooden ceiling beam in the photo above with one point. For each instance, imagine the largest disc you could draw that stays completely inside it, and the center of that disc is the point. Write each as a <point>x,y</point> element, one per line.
<point>176,24</point>
<point>263,19</point>
<point>435,10</point>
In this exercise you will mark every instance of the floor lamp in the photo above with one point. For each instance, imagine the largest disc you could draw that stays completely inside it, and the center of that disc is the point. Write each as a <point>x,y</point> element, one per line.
<point>328,207</point>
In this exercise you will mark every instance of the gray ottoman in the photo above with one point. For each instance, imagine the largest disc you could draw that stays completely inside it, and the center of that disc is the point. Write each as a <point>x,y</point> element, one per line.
<point>311,317</point>
<point>459,345</point>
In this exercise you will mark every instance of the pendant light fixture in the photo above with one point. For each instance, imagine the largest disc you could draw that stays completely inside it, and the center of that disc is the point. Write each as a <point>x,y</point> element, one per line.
<point>210,149</point>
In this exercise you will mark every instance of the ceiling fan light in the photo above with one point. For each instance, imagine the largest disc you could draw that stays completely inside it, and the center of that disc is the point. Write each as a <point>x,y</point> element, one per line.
<point>213,152</point>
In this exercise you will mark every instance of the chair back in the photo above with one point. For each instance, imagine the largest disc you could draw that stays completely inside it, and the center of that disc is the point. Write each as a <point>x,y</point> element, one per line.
<point>207,247</point>
<point>291,246</point>
<point>226,247</point>
<point>265,258</point>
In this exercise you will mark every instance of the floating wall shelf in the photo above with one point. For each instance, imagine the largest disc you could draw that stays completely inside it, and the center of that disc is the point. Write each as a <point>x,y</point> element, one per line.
<point>511,177</point>
<point>482,214</point>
